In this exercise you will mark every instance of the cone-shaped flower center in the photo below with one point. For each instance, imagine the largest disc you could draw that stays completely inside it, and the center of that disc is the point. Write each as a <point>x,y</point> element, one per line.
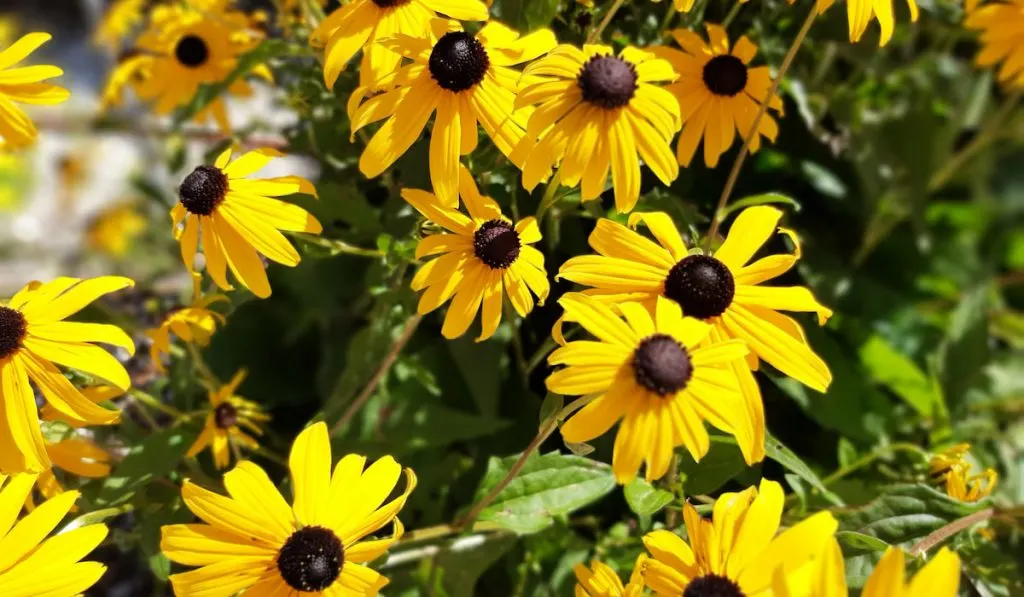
<point>192,51</point>
<point>12,331</point>
<point>203,190</point>
<point>225,415</point>
<point>607,81</point>
<point>662,365</point>
<point>311,559</point>
<point>390,3</point>
<point>702,285</point>
<point>725,75</point>
<point>712,585</point>
<point>458,61</point>
<point>497,244</point>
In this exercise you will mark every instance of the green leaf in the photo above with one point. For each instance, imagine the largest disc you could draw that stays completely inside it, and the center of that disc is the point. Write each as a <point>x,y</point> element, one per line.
<point>905,513</point>
<point>158,455</point>
<point>859,542</point>
<point>540,13</point>
<point>478,362</point>
<point>413,427</point>
<point>775,450</point>
<point>552,404</point>
<point>763,199</point>
<point>645,499</point>
<point>890,368</point>
<point>464,560</point>
<point>965,350</point>
<point>548,486</point>
<point>722,462</point>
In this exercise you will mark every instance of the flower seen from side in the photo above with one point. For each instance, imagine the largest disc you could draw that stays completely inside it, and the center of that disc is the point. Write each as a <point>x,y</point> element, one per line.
<point>953,470</point>
<point>25,85</point>
<point>231,423</point>
<point>194,324</point>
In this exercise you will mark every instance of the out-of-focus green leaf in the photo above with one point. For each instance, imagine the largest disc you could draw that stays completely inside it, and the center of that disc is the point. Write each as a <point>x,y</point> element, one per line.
<point>412,427</point>
<point>965,350</point>
<point>478,364</point>
<point>464,566</point>
<point>156,456</point>
<point>859,542</point>
<point>645,499</point>
<point>775,450</point>
<point>722,462</point>
<point>898,373</point>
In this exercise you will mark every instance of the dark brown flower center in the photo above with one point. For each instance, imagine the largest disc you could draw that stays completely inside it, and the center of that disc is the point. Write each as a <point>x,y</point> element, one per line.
<point>203,190</point>
<point>390,3</point>
<point>662,365</point>
<point>192,51</point>
<point>712,585</point>
<point>608,81</point>
<point>702,285</point>
<point>458,61</point>
<point>725,75</point>
<point>311,559</point>
<point>497,244</point>
<point>12,331</point>
<point>225,415</point>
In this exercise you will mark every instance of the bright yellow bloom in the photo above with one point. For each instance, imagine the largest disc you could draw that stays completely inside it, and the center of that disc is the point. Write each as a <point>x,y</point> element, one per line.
<point>226,425</point>
<point>77,456</point>
<point>1002,39</point>
<point>737,552</point>
<point>482,257</point>
<point>114,230</point>
<point>119,20</point>
<point>193,324</point>
<point>34,339</point>
<point>32,565</point>
<point>597,111</point>
<point>239,219</point>
<point>952,468</point>
<point>860,13</point>
<point>601,581</point>
<point>25,85</point>
<point>254,542</point>
<point>719,93</point>
<point>467,79</point>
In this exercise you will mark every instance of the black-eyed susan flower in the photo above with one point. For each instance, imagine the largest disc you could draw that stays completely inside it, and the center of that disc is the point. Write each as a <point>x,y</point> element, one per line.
<point>114,230</point>
<point>239,220</point>
<point>1002,39</point>
<point>119,20</point>
<point>254,542</point>
<point>76,456</point>
<point>953,469</point>
<point>25,85</point>
<point>32,565</point>
<point>658,374</point>
<point>720,94</point>
<point>598,112</point>
<point>482,257</point>
<point>739,552</point>
<point>193,324</point>
<point>34,339</point>
<point>601,581</point>
<point>361,24</point>
<point>724,289</point>
<point>231,423</point>
<point>860,13</point>
<point>466,79</point>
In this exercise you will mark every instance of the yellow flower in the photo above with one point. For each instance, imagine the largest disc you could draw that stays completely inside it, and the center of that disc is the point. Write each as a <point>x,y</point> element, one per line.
<point>76,455</point>
<point>597,111</point>
<point>114,230</point>
<point>952,468</point>
<point>724,289</point>
<point>193,324</point>
<point>657,376</point>
<point>860,13</point>
<point>226,425</point>
<point>361,24</point>
<point>119,20</point>
<point>467,79</point>
<point>25,85</point>
<point>601,581</point>
<point>737,553</point>
<point>482,257</point>
<point>1002,39</point>
<point>254,542</point>
<point>34,339</point>
<point>719,93</point>
<point>32,565</point>
<point>239,220</point>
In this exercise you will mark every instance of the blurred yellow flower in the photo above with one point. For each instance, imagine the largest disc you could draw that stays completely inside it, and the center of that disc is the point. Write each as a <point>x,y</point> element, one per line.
<point>113,230</point>
<point>119,20</point>
<point>953,469</point>
<point>230,424</point>
<point>1001,25</point>
<point>193,324</point>
<point>77,456</point>
<point>25,85</point>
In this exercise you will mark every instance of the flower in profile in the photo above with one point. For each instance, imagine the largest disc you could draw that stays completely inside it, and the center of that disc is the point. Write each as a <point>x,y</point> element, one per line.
<point>601,581</point>
<point>119,20</point>
<point>362,24</point>
<point>719,92</point>
<point>254,542</point>
<point>25,85</point>
<point>239,220</point>
<point>114,229</point>
<point>597,111</point>
<point>660,375</point>
<point>231,423</point>
<point>77,456</point>
<point>953,469</point>
<point>739,552</point>
<point>724,288</point>
<point>466,79</point>
<point>482,257</point>
<point>194,324</point>
<point>33,565</point>
<point>34,339</point>
<point>1002,38</point>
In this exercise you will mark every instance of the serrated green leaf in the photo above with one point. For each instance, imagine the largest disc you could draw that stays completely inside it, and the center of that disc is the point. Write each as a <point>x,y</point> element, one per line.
<point>645,499</point>
<point>905,513</point>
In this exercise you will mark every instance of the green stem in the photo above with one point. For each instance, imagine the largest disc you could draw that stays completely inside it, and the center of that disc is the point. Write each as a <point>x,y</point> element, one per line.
<point>153,402</point>
<point>735,10</point>
<point>549,198</point>
<point>596,33</point>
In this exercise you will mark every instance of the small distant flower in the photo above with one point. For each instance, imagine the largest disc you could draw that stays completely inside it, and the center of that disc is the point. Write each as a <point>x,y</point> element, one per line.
<point>231,423</point>
<point>1002,38</point>
<point>194,324</point>
<point>482,258</point>
<point>25,85</point>
<point>601,581</point>
<point>77,456</point>
<point>32,565</point>
<point>119,21</point>
<point>34,339</point>
<point>598,112</point>
<point>254,542</point>
<point>953,469</point>
<point>239,220</point>
<point>113,230</point>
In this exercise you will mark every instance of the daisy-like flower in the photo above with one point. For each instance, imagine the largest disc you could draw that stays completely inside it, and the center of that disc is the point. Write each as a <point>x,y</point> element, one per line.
<point>719,92</point>
<point>601,581</point>
<point>361,24</point>
<point>193,324</point>
<point>467,79</point>
<point>659,375</point>
<point>231,423</point>
<point>953,469</point>
<point>597,111</point>
<point>32,565</point>
<point>77,456</point>
<point>34,339</point>
<point>482,257</point>
<point>739,552</point>
<point>724,289</point>
<point>25,85</point>
<point>114,230</point>
<point>119,20</point>
<point>239,220</point>
<point>254,542</point>
<point>1002,39</point>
